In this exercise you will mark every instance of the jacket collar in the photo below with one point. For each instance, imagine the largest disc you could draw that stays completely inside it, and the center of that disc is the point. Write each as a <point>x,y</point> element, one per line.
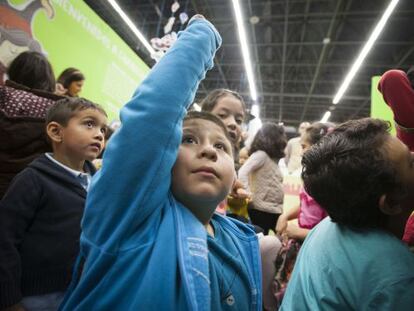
<point>46,166</point>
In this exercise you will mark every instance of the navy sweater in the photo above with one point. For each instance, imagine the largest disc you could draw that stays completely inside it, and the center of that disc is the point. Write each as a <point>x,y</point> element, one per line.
<point>40,219</point>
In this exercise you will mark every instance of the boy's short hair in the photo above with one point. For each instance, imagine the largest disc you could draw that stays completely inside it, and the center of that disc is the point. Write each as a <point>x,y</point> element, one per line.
<point>349,170</point>
<point>64,109</point>
<point>209,117</point>
<point>271,138</point>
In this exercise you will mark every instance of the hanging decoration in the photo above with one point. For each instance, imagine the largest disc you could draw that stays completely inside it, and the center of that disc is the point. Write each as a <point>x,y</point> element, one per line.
<point>183,18</point>
<point>175,6</point>
<point>161,45</point>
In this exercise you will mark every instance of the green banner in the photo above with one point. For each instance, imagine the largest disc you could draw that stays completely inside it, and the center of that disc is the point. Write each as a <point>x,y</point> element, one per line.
<point>72,35</point>
<point>379,109</point>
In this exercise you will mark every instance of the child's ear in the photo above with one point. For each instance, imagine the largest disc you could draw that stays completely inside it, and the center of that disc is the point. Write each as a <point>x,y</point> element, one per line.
<point>389,205</point>
<point>54,131</point>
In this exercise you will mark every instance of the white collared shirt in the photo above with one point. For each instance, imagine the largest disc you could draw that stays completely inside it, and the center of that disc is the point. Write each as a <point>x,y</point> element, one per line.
<point>83,178</point>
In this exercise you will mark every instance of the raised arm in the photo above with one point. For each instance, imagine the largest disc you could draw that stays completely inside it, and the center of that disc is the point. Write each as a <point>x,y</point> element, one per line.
<point>135,177</point>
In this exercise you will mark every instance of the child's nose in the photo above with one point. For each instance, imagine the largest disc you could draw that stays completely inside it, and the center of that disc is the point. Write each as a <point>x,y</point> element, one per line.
<point>208,151</point>
<point>231,123</point>
<point>99,135</point>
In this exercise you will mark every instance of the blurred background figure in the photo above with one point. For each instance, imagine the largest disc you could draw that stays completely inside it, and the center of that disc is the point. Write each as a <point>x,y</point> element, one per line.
<point>24,100</point>
<point>293,151</point>
<point>70,82</point>
<point>261,176</point>
<point>243,155</point>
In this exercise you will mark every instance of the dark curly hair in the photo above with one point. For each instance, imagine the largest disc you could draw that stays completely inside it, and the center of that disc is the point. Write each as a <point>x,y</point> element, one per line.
<point>348,171</point>
<point>271,139</point>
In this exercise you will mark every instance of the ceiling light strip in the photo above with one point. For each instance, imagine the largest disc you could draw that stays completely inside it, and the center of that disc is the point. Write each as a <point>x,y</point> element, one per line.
<point>368,45</point>
<point>245,49</point>
<point>131,25</point>
<point>326,117</point>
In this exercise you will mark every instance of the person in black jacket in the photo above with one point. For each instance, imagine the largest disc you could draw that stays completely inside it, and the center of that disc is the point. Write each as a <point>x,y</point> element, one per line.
<point>24,101</point>
<point>40,213</point>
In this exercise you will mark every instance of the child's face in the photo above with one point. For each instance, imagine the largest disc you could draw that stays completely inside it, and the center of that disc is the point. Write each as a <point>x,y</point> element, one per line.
<point>304,142</point>
<point>75,88</point>
<point>83,137</point>
<point>243,156</point>
<point>203,173</point>
<point>230,110</point>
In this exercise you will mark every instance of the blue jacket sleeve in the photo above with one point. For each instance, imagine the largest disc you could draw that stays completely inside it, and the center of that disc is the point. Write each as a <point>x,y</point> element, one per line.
<point>136,174</point>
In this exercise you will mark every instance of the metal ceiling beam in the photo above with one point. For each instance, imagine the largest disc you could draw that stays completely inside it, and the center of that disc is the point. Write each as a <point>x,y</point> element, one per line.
<point>316,20</point>
<point>282,79</point>
<point>328,15</point>
<point>256,54</point>
<point>397,65</point>
<point>303,30</point>
<point>362,82</point>
<point>404,57</point>
<point>273,106</point>
<point>302,95</point>
<point>274,2</point>
<point>298,64</point>
<point>322,56</point>
<point>302,38</point>
<point>312,43</point>
<point>216,63</point>
<point>340,27</point>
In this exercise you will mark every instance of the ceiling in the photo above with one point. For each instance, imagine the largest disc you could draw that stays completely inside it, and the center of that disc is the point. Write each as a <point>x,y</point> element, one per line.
<point>301,49</point>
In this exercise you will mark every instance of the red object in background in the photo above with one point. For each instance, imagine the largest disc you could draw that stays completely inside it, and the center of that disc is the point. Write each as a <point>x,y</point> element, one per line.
<point>398,93</point>
<point>409,231</point>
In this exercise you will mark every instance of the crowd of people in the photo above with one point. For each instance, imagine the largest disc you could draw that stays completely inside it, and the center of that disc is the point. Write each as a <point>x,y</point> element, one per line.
<point>181,214</point>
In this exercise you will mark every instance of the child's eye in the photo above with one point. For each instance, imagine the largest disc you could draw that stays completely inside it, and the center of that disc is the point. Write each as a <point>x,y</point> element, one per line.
<point>103,130</point>
<point>222,115</point>
<point>220,146</point>
<point>239,121</point>
<point>89,124</point>
<point>188,140</point>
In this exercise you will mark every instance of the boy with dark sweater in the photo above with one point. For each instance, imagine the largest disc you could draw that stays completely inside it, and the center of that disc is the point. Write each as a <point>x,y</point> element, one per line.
<point>41,212</point>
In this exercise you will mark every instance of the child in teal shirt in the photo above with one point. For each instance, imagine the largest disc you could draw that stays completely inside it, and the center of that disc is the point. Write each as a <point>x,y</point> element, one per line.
<point>354,259</point>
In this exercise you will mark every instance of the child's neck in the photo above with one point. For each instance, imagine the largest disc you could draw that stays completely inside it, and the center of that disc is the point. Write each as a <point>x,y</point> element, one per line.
<point>74,164</point>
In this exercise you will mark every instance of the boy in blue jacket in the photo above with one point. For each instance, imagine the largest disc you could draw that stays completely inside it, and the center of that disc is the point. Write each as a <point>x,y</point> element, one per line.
<point>150,240</point>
